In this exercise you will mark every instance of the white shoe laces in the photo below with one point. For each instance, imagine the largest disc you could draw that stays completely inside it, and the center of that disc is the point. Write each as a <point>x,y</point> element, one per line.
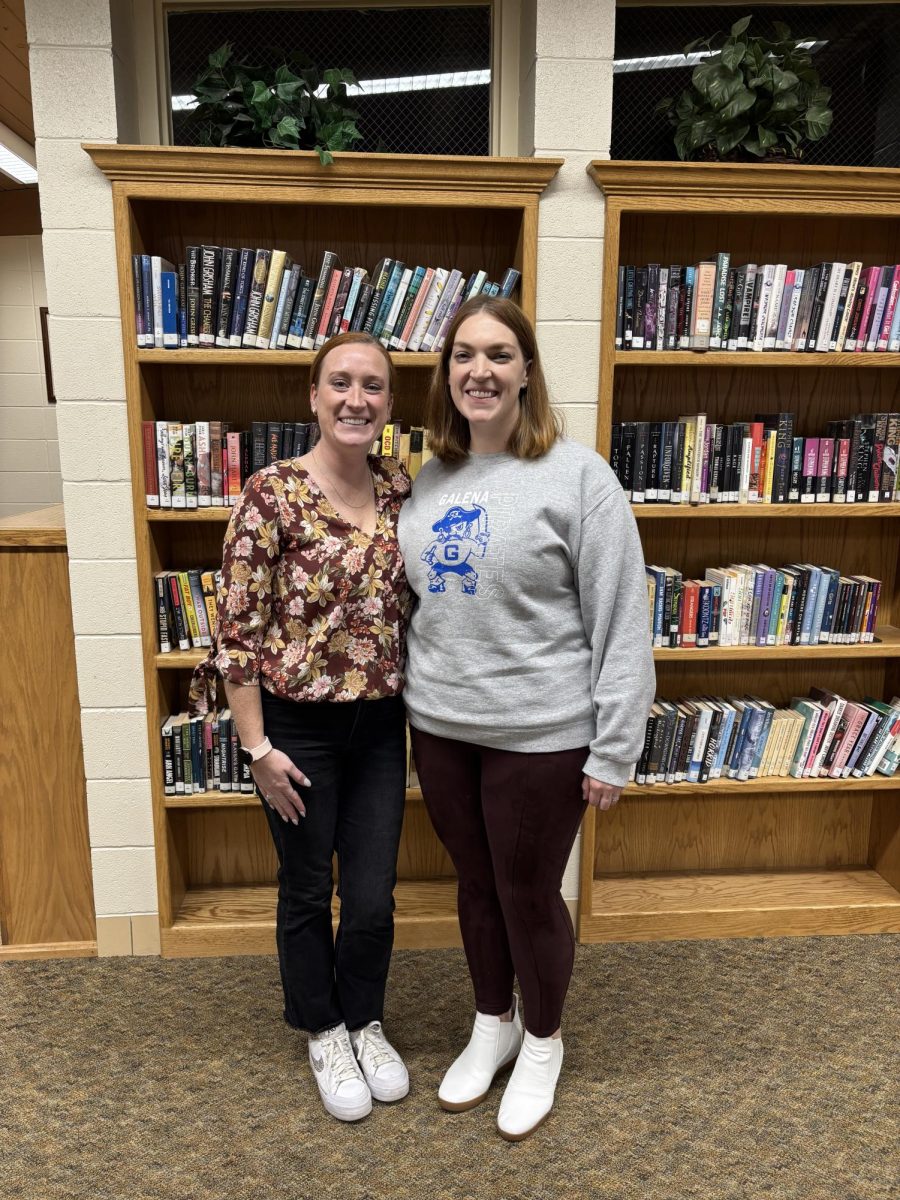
<point>374,1046</point>
<point>338,1054</point>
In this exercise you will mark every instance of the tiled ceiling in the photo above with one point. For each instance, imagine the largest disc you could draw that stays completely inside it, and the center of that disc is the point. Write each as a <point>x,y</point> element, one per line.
<point>15,82</point>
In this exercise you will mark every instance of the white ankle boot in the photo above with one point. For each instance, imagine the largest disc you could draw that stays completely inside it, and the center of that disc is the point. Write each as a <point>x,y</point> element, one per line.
<point>493,1045</point>
<point>528,1098</point>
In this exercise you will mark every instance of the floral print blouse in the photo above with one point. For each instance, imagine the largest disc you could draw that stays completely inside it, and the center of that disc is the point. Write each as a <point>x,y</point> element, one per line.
<point>310,607</point>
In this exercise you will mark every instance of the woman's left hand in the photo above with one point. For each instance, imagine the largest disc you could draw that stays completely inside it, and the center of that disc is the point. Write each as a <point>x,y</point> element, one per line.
<point>598,794</point>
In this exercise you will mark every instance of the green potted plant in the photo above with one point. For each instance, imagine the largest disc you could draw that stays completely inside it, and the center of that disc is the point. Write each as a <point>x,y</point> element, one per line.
<point>754,98</point>
<point>245,104</point>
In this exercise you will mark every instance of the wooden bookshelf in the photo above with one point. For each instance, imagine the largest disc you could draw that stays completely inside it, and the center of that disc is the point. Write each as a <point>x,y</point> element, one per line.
<point>769,856</point>
<point>215,862</point>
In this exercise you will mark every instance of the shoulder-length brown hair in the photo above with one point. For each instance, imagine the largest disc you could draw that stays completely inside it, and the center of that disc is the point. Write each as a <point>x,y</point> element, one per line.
<point>538,426</point>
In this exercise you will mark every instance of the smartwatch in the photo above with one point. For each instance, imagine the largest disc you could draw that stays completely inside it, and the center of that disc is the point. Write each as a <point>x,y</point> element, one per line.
<point>255,753</point>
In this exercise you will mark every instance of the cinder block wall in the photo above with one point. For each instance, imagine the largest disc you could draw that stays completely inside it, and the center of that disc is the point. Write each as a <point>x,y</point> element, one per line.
<point>566,73</point>
<point>76,97</point>
<point>566,49</point>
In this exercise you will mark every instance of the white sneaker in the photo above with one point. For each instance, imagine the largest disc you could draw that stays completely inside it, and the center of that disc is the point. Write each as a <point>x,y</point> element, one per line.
<point>493,1045</point>
<point>342,1087</point>
<point>382,1066</point>
<point>529,1094</point>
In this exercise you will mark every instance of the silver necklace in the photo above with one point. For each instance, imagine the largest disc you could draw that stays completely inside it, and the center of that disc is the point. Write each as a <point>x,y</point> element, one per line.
<point>343,498</point>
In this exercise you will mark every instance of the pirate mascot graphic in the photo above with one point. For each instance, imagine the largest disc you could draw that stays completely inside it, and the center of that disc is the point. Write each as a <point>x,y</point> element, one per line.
<point>462,535</point>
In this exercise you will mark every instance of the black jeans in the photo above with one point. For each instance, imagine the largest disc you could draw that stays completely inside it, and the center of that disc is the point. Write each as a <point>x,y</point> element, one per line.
<point>354,754</point>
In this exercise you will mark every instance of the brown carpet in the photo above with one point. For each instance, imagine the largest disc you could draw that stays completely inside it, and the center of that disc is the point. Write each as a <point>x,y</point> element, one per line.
<point>729,1069</point>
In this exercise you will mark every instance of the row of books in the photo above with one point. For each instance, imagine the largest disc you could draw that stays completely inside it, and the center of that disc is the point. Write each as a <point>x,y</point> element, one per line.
<point>200,754</point>
<point>203,464</point>
<point>186,608</point>
<point>696,461</point>
<point>225,297</point>
<point>822,735</point>
<point>771,306</point>
<point>739,605</point>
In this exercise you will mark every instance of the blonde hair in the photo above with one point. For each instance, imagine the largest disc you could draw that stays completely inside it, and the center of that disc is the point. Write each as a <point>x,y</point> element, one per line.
<point>538,426</point>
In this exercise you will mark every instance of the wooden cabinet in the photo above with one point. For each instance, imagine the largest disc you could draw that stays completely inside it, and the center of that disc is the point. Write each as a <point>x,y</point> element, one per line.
<point>215,863</point>
<point>46,896</point>
<point>769,856</point>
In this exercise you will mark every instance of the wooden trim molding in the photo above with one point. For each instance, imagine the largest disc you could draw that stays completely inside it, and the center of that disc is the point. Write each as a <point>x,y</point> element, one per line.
<point>753,181</point>
<point>248,168</point>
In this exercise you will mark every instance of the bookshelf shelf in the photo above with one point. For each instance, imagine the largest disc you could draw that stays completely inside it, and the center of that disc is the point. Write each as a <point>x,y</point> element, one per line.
<point>238,799</point>
<point>241,919</point>
<point>771,856</point>
<point>773,784</point>
<point>765,512</point>
<point>741,359</point>
<point>215,863</point>
<point>220,513</point>
<point>662,906</point>
<point>887,647</point>
<point>261,358</point>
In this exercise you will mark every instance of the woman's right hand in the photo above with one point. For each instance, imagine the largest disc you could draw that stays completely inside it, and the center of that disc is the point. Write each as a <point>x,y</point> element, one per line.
<point>273,774</point>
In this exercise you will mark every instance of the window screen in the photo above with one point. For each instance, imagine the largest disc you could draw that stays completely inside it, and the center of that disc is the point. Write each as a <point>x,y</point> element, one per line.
<point>856,52</point>
<point>426,71</point>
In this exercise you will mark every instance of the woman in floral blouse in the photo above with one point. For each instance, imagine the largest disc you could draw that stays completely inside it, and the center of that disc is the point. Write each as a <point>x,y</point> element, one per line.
<point>309,643</point>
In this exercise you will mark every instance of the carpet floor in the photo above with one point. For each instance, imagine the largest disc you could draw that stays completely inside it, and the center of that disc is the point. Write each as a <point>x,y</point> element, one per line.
<point>741,1069</point>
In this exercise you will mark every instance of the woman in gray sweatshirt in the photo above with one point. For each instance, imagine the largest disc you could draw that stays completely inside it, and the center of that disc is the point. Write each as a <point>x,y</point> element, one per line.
<point>529,680</point>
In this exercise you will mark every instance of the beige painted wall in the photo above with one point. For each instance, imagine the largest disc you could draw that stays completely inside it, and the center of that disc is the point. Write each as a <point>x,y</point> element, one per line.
<point>29,452</point>
<point>562,61</point>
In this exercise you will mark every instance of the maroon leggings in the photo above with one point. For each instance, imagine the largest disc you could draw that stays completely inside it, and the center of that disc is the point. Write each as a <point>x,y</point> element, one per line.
<point>508,821</point>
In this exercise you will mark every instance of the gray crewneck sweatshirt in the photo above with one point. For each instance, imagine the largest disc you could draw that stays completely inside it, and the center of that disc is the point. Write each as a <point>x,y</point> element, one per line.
<point>530,629</point>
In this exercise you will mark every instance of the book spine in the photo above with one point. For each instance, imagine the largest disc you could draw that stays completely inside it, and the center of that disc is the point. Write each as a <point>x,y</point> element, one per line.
<point>210,264</point>
<point>329,259</point>
<point>773,311</point>
<point>704,298</point>
<point>428,308</point>
<point>217,498</point>
<point>169,290</point>
<point>147,300</point>
<point>271,293</point>
<point>359,278</point>
<point>204,470</point>
<point>151,476</point>
<point>138,307</point>
<point>255,298</point>
<point>242,286</point>
<point>226,296</point>
<point>300,314</point>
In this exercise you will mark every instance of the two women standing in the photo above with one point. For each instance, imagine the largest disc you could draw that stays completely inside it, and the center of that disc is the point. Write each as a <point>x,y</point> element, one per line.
<point>529,678</point>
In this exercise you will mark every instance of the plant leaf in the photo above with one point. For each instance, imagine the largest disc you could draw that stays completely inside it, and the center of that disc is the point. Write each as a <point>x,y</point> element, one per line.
<point>783,80</point>
<point>728,139</point>
<point>818,122</point>
<point>767,138</point>
<point>739,103</point>
<point>753,147</point>
<point>732,54</point>
<point>739,26</point>
<point>716,82</point>
<point>220,57</point>
<point>782,32</point>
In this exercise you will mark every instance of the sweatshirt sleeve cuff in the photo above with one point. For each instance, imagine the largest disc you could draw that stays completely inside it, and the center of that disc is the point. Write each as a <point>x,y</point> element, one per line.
<point>606,770</point>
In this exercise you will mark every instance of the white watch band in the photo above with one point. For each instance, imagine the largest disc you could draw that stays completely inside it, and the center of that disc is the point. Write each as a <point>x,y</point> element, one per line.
<point>260,751</point>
